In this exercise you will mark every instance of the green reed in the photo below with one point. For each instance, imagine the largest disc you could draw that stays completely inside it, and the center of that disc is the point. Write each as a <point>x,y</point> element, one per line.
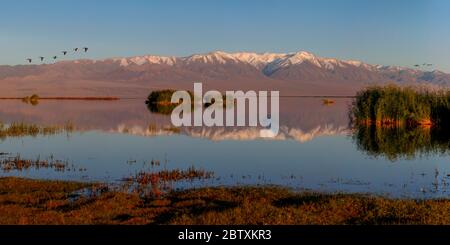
<point>401,105</point>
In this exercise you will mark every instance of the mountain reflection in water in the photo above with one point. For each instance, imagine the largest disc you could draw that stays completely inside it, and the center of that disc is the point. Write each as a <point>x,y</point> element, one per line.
<point>299,122</point>
<point>315,149</point>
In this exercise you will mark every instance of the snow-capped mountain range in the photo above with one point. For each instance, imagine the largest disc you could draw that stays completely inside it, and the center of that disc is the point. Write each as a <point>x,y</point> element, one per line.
<point>268,62</point>
<point>300,73</point>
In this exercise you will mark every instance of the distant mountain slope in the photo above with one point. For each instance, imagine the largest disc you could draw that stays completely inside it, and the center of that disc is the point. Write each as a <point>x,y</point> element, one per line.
<point>300,73</point>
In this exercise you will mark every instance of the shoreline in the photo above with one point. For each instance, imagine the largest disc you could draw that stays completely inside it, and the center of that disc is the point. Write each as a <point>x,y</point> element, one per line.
<point>27,201</point>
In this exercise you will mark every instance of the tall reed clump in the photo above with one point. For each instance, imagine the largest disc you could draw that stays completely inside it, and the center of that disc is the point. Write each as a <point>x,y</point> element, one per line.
<point>393,105</point>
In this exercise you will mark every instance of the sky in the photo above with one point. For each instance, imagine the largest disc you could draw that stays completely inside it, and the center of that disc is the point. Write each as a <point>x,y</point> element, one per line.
<point>386,32</point>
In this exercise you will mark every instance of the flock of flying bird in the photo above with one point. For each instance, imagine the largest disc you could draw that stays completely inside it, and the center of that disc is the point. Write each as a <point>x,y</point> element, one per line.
<point>56,57</point>
<point>423,65</point>
<point>86,49</point>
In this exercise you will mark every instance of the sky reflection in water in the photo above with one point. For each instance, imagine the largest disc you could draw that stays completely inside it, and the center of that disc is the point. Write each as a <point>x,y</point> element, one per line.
<point>315,148</point>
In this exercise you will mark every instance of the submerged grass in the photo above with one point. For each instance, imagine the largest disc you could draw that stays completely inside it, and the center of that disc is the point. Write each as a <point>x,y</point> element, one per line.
<point>158,182</point>
<point>21,129</point>
<point>17,163</point>
<point>24,201</point>
<point>191,173</point>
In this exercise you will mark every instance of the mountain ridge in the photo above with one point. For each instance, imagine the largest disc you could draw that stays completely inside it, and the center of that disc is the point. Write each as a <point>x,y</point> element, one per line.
<point>291,73</point>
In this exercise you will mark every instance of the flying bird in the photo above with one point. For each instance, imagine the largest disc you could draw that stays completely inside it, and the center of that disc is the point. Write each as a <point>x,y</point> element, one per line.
<point>29,60</point>
<point>416,65</point>
<point>55,57</point>
<point>64,52</point>
<point>42,58</point>
<point>75,49</point>
<point>85,49</point>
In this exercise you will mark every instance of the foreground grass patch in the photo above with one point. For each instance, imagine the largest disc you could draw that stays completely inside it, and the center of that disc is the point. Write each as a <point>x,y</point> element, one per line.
<point>25,201</point>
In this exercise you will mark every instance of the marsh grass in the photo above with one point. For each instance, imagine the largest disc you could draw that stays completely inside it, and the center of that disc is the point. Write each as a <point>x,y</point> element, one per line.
<point>17,163</point>
<point>394,105</point>
<point>157,182</point>
<point>24,201</point>
<point>401,122</point>
<point>21,129</point>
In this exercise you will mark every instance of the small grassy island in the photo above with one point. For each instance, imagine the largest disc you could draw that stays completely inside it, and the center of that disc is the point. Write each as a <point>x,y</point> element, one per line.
<point>396,106</point>
<point>159,101</point>
<point>398,122</point>
<point>33,99</point>
<point>328,101</point>
<point>161,97</point>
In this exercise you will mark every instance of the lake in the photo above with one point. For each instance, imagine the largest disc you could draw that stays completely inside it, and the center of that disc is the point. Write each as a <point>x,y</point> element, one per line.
<point>316,148</point>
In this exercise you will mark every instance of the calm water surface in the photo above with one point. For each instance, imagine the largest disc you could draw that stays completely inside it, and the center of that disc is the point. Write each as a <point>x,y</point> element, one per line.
<point>314,150</point>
